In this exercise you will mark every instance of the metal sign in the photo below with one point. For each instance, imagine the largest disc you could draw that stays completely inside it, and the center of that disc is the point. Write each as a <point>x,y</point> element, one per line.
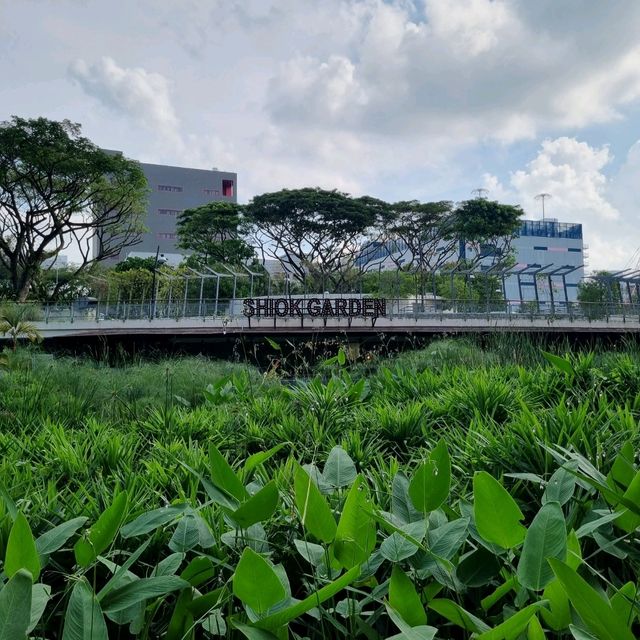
<point>315,307</point>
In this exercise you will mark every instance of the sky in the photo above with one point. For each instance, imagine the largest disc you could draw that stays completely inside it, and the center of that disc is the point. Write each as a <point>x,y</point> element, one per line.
<point>397,99</point>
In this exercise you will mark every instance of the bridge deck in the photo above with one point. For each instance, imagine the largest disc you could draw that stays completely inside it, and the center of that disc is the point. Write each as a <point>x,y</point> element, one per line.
<point>440,323</point>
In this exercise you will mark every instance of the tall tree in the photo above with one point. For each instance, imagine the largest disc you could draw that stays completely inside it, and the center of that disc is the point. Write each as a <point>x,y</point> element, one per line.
<point>58,189</point>
<point>421,230</point>
<point>214,232</point>
<point>487,227</point>
<point>315,234</point>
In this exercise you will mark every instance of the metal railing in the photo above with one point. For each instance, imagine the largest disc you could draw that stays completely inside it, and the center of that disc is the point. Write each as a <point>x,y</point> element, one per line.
<point>209,309</point>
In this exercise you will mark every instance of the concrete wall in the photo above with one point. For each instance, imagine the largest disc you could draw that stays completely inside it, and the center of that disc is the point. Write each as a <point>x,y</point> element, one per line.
<point>189,188</point>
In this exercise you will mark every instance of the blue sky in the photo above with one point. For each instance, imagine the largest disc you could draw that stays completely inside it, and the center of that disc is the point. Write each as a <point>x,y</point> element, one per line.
<point>424,99</point>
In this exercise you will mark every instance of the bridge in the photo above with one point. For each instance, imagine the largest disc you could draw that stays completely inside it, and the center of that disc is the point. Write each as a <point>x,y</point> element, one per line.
<point>227,319</point>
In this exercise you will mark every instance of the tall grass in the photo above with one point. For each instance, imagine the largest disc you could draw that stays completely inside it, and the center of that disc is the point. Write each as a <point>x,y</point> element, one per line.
<point>74,427</point>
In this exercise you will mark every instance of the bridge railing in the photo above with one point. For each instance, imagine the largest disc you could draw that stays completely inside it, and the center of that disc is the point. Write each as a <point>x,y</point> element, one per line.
<point>208,309</point>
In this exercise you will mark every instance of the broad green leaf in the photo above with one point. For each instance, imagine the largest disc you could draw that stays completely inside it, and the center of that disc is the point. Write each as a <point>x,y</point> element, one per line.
<point>444,541</point>
<point>138,591</point>
<point>512,627</point>
<point>314,554</point>
<point>422,632</point>
<point>430,484</point>
<point>151,520</point>
<point>315,513</point>
<point>534,630</point>
<point>589,527</point>
<point>623,469</point>
<point>478,568</point>
<point>339,470</point>
<point>15,606</point>
<point>562,364</point>
<point>580,634</point>
<point>253,633</point>
<point>56,538</point>
<point>510,584</point>
<point>401,505</point>
<point>407,632</point>
<point>560,487</point>
<point>198,571</point>
<point>397,547</point>
<point>191,531</point>
<point>182,622</point>
<point>453,612</point>
<point>574,553</point>
<point>546,538</point>
<point>21,550</point>
<point>281,618</point>
<point>629,521</point>
<point>557,614</point>
<point>404,598</point>
<point>496,513</point>
<point>625,602</point>
<point>256,583</point>
<point>258,508</point>
<point>214,623</point>
<point>40,594</point>
<point>259,458</point>
<point>84,619</point>
<point>200,605</point>
<point>595,611</point>
<point>169,565</point>
<point>102,533</point>
<point>224,477</point>
<point>356,533</point>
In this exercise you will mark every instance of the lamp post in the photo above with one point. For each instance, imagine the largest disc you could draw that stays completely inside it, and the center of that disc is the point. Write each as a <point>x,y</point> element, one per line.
<point>160,260</point>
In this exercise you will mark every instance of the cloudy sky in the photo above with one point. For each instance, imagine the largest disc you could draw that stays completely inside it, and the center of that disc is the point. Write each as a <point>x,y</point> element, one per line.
<point>399,99</point>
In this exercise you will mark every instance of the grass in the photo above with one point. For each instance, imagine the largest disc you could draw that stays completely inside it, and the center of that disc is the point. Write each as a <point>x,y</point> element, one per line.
<point>74,425</point>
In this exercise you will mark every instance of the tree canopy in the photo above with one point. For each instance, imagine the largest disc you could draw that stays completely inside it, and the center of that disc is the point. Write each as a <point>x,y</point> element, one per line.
<point>58,189</point>
<point>214,232</point>
<point>487,226</point>
<point>313,232</point>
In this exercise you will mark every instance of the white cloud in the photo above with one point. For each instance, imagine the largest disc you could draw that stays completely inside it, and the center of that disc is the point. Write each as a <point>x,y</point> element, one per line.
<point>466,71</point>
<point>133,92</point>
<point>573,173</point>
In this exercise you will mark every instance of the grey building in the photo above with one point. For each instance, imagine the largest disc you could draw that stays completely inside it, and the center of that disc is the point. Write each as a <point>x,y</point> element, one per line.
<point>172,190</point>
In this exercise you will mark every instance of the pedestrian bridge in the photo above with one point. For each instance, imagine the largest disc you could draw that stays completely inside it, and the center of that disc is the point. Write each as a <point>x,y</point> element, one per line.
<point>384,317</point>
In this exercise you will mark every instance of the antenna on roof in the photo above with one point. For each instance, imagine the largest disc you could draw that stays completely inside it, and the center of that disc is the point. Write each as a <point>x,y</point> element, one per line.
<point>480,192</point>
<point>543,197</point>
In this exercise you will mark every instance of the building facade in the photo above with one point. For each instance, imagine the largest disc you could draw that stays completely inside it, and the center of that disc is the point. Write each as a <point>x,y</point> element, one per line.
<point>549,261</point>
<point>171,191</point>
<point>554,247</point>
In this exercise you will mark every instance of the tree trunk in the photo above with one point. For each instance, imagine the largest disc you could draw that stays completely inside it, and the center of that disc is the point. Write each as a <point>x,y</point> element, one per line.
<point>23,291</point>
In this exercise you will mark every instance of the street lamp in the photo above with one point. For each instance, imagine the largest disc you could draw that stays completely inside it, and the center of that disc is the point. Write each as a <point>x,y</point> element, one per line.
<point>160,260</point>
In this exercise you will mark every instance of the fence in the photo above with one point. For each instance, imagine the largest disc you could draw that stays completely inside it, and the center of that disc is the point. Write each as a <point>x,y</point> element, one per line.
<point>209,309</point>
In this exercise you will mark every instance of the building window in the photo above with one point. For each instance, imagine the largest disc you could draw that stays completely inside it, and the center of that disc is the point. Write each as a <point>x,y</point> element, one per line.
<point>169,212</point>
<point>166,236</point>
<point>169,187</point>
<point>227,188</point>
<point>212,192</point>
<point>574,250</point>
<point>539,248</point>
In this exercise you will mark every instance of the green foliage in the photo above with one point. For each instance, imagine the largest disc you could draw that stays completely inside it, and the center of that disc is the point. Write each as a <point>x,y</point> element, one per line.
<point>53,179</point>
<point>275,508</point>
<point>214,233</point>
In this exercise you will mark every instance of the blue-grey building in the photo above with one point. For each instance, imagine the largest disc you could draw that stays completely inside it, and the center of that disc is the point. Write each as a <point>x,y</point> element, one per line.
<point>549,260</point>
<point>172,190</point>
